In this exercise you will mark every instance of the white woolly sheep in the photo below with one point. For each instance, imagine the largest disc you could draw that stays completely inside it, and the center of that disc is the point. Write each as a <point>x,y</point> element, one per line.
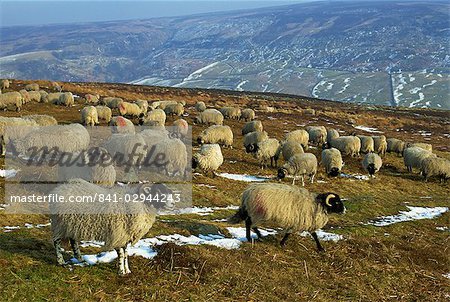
<point>180,127</point>
<point>300,164</point>
<point>380,144</point>
<point>248,114</point>
<point>143,104</point>
<point>111,102</point>
<point>367,144</point>
<point>25,96</point>
<point>156,117</point>
<point>200,106</point>
<point>12,128</point>
<point>348,145</point>
<point>413,157</point>
<point>372,163</point>
<point>89,116</point>
<point>317,134</point>
<point>126,148</point>
<point>66,99</point>
<point>35,96</point>
<point>253,138</point>
<point>331,134</point>
<point>424,146</point>
<point>266,150</point>
<point>251,127</point>
<point>210,117</point>
<point>290,148</point>
<point>42,119</point>
<point>129,109</point>
<point>120,124</point>
<point>291,208</point>
<point>233,113</point>
<point>175,153</point>
<point>104,113</point>
<point>92,99</point>
<point>332,160</point>
<point>395,145</point>
<point>32,87</point>
<point>53,97</point>
<point>208,159</point>
<point>174,109</point>
<point>435,166</point>
<point>44,96</point>
<point>11,100</point>
<point>4,83</point>
<point>115,223</point>
<point>299,136</point>
<point>216,134</point>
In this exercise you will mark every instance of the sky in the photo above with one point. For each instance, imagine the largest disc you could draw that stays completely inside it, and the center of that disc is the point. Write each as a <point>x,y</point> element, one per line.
<point>36,12</point>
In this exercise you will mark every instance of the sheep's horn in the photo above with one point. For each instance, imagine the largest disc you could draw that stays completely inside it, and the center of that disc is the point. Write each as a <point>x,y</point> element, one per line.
<point>328,199</point>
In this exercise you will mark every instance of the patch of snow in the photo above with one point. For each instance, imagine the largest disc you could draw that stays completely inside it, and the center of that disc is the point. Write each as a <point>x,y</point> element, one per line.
<point>355,176</point>
<point>367,129</point>
<point>414,213</point>
<point>239,233</point>
<point>442,228</point>
<point>8,173</point>
<point>446,275</point>
<point>429,84</point>
<point>325,236</point>
<point>239,86</point>
<point>202,211</point>
<point>243,177</point>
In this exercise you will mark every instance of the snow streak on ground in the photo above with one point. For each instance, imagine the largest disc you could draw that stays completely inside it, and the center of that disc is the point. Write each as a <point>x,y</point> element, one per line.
<point>8,173</point>
<point>414,213</point>
<point>368,129</point>
<point>244,177</point>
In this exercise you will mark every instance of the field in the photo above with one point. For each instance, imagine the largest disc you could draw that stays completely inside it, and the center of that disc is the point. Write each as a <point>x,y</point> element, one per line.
<point>404,261</point>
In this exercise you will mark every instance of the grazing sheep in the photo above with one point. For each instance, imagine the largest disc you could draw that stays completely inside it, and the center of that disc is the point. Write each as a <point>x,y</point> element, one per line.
<point>35,96</point>
<point>253,138</point>
<point>94,165</point>
<point>217,134</point>
<point>200,106</point>
<point>4,84</point>
<point>331,134</point>
<point>317,134</point>
<point>129,109</point>
<point>56,86</point>
<point>367,144</point>
<point>299,136</point>
<point>32,87</point>
<point>176,157</point>
<point>251,127</point>
<point>129,148</point>
<point>92,99</point>
<point>111,102</point>
<point>12,128</point>
<point>53,97</point>
<point>25,96</point>
<point>413,157</point>
<point>435,166</point>
<point>372,163</point>
<point>143,104</point>
<point>154,135</point>
<point>89,116</point>
<point>156,117</point>
<point>209,117</point>
<point>42,119</point>
<point>424,146</point>
<point>395,145</point>
<point>174,109</point>
<point>120,124</point>
<point>348,145</point>
<point>267,149</point>
<point>248,115</point>
<point>163,104</point>
<point>291,208</point>
<point>66,99</point>
<point>332,160</point>
<point>208,159</point>
<point>11,99</point>
<point>180,127</point>
<point>44,96</point>
<point>104,113</point>
<point>233,113</point>
<point>290,148</point>
<point>115,223</point>
<point>379,144</point>
<point>300,164</point>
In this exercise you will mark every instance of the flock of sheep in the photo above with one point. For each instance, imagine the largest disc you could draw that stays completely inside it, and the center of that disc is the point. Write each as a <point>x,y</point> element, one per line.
<point>291,207</point>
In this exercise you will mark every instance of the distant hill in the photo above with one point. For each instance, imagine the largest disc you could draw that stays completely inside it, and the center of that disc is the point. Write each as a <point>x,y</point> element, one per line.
<point>394,53</point>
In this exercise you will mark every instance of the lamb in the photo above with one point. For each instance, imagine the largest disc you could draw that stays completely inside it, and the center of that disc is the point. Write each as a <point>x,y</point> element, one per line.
<point>174,109</point>
<point>251,127</point>
<point>293,209</point>
<point>380,144</point>
<point>89,116</point>
<point>11,99</point>
<point>143,105</point>
<point>156,117</point>
<point>53,97</point>
<point>129,109</point>
<point>331,134</point>
<point>35,96</point>
<point>94,165</point>
<point>120,124</point>
<point>424,146</point>
<point>367,144</point>
<point>372,163</point>
<point>4,84</point>
<point>299,136</point>
<point>233,113</point>
<point>348,145</point>
<point>290,148</point>
<point>248,115</point>
<point>267,149</point>
<point>435,166</point>
<point>300,164</point>
<point>332,160</point>
<point>317,134</point>
<point>200,106</point>
<point>25,96</point>
<point>209,159</point>
<point>92,99</point>
<point>116,224</point>
<point>217,134</point>
<point>395,145</point>
<point>413,157</point>
<point>66,99</point>
<point>32,87</point>
<point>42,119</point>
<point>209,117</point>
<point>111,102</point>
<point>104,113</point>
<point>253,138</point>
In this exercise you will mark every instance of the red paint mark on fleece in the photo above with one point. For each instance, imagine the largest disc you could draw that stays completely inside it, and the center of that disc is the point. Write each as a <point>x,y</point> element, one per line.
<point>260,210</point>
<point>121,121</point>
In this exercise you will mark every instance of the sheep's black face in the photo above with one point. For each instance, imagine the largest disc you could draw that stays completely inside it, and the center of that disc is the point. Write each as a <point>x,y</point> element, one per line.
<point>199,140</point>
<point>334,172</point>
<point>281,173</point>
<point>141,121</point>
<point>194,163</point>
<point>249,148</point>
<point>371,169</point>
<point>158,195</point>
<point>331,202</point>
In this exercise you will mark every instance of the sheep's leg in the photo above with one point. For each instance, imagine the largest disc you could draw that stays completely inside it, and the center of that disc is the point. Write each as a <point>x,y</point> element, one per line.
<point>248,225</point>
<point>303,180</point>
<point>121,260</point>
<point>58,249</point>
<point>76,249</point>
<point>293,180</point>
<point>316,239</point>
<point>271,162</point>
<point>127,268</point>
<point>285,238</point>
<point>258,233</point>
<point>312,178</point>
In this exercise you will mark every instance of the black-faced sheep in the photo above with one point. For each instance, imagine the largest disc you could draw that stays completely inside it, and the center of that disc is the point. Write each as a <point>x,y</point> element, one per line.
<point>247,114</point>
<point>266,150</point>
<point>372,163</point>
<point>304,164</point>
<point>251,127</point>
<point>216,134</point>
<point>332,160</point>
<point>89,116</point>
<point>209,117</point>
<point>435,166</point>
